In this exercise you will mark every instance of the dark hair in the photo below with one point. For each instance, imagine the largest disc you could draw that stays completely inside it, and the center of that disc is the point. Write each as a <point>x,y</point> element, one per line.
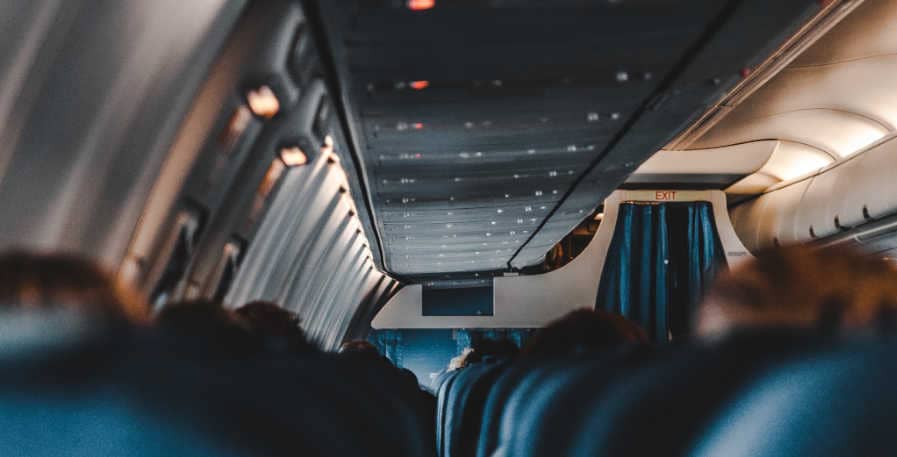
<point>359,350</point>
<point>208,326</point>
<point>494,348</point>
<point>801,286</point>
<point>583,330</point>
<point>278,327</point>
<point>41,281</point>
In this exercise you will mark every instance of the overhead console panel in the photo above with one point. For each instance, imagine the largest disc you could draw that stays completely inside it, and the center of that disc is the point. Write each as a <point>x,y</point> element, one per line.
<point>533,301</point>
<point>738,39</point>
<point>487,133</point>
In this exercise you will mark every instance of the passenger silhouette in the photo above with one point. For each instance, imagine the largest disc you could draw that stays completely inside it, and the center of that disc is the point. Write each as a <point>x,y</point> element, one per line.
<point>360,350</point>
<point>278,327</point>
<point>205,327</point>
<point>581,331</point>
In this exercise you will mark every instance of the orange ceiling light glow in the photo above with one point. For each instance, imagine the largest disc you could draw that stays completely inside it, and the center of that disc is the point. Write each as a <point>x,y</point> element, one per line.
<point>263,102</point>
<point>419,85</point>
<point>293,156</point>
<point>421,5</point>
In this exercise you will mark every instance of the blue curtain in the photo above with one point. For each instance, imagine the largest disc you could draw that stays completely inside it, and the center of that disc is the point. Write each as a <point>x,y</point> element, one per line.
<point>660,261</point>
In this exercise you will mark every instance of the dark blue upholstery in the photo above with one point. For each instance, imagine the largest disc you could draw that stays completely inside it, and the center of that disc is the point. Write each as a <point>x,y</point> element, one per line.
<point>442,398</point>
<point>517,404</point>
<point>662,408</point>
<point>467,400</point>
<point>497,401</point>
<point>838,404</point>
<point>546,425</point>
<point>153,395</point>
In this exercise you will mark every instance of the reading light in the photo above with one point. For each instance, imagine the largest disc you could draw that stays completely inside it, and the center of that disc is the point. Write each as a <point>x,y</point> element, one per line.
<point>293,156</point>
<point>263,102</point>
<point>421,5</point>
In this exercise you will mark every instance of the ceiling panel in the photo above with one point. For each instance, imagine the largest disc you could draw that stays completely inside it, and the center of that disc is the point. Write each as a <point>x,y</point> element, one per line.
<point>480,129</point>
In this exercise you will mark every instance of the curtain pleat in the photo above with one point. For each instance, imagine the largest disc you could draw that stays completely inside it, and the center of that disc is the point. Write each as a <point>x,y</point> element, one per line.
<point>660,261</point>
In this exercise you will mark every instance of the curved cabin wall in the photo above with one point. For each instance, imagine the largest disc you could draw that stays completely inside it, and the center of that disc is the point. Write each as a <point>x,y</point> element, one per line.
<point>128,134</point>
<point>310,254</point>
<point>843,196</point>
<point>91,97</point>
<point>534,300</point>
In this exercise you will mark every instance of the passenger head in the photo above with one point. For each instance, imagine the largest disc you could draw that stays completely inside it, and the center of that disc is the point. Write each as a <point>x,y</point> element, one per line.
<point>460,360</point>
<point>580,331</point>
<point>490,349</point>
<point>360,350</point>
<point>278,327</point>
<point>208,326</point>
<point>64,281</point>
<point>800,286</point>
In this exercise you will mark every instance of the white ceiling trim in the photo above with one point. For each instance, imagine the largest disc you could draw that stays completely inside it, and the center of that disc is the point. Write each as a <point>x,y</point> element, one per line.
<point>838,133</point>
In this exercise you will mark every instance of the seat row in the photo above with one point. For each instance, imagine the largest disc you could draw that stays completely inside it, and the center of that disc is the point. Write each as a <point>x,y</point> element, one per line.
<point>72,388</point>
<point>763,392</point>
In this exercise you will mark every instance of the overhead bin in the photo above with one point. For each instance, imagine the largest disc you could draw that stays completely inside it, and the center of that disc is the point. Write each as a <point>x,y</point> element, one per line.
<point>208,162</point>
<point>835,203</point>
<point>534,300</point>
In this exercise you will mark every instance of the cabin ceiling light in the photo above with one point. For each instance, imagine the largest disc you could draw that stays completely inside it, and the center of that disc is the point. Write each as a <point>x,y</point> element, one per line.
<point>421,5</point>
<point>293,156</point>
<point>263,102</point>
<point>799,166</point>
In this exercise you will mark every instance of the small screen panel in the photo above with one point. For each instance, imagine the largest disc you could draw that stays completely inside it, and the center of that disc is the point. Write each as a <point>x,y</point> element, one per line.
<point>462,301</point>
